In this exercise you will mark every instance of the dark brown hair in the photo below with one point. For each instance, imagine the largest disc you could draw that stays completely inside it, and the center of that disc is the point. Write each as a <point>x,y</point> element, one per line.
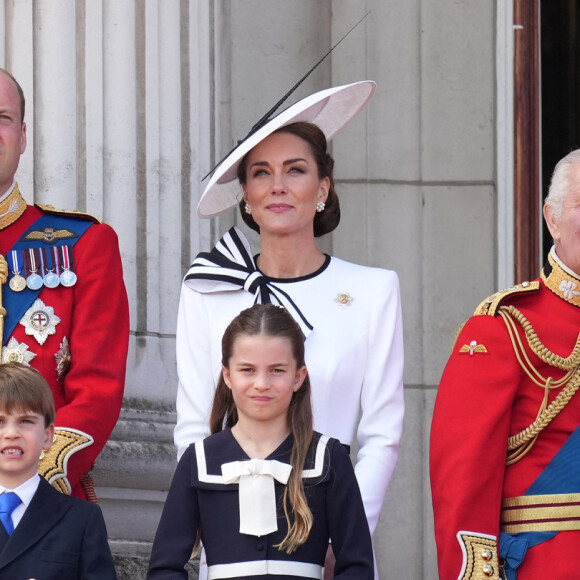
<point>275,321</point>
<point>24,388</point>
<point>327,220</point>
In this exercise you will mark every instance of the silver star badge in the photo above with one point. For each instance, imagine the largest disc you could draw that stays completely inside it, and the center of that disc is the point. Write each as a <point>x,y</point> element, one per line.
<point>40,321</point>
<point>16,351</point>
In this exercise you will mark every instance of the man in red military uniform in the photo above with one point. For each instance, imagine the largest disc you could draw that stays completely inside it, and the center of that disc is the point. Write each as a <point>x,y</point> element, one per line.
<point>505,438</point>
<point>65,309</point>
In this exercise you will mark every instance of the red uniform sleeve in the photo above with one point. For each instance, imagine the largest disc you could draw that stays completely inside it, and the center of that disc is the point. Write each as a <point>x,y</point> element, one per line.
<point>92,390</point>
<point>469,437</point>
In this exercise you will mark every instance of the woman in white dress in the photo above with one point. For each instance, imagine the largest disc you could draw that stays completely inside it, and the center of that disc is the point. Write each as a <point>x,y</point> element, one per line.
<point>282,178</point>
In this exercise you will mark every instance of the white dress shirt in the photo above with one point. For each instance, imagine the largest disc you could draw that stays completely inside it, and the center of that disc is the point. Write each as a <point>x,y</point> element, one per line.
<point>25,492</point>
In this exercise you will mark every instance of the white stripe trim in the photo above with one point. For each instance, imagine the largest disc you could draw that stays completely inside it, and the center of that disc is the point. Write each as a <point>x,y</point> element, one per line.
<point>263,567</point>
<point>202,466</point>
<point>316,471</point>
<point>203,475</point>
<point>211,270</point>
<point>228,247</point>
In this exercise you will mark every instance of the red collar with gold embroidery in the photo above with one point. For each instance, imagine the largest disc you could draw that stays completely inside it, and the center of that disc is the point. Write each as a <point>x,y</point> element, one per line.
<point>561,282</point>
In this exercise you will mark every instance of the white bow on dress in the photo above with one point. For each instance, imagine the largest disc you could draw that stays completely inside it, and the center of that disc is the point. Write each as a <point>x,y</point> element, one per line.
<point>258,514</point>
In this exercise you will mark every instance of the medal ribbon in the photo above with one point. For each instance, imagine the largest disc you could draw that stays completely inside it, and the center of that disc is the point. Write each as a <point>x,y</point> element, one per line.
<point>13,262</point>
<point>42,267</point>
<point>30,258</point>
<point>17,303</point>
<point>230,266</point>
<point>46,257</point>
<point>66,258</point>
<point>54,254</point>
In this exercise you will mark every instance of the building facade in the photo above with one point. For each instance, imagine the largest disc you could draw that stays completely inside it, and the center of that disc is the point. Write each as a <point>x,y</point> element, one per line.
<point>131,102</point>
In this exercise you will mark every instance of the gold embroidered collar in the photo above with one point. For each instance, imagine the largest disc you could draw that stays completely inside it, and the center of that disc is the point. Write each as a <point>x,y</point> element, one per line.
<point>11,208</point>
<point>561,280</point>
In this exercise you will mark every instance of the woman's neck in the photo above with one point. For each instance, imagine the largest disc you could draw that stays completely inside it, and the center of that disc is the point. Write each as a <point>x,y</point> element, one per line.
<point>260,439</point>
<point>289,257</point>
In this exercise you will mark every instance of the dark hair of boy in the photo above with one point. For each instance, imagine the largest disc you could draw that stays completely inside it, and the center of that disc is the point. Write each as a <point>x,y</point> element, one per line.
<point>24,388</point>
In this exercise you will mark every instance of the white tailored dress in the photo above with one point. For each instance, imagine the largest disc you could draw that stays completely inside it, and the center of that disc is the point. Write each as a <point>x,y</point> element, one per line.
<point>351,315</point>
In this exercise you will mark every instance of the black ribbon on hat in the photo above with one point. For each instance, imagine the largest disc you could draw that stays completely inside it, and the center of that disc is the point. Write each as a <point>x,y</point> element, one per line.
<point>230,266</point>
<point>271,112</point>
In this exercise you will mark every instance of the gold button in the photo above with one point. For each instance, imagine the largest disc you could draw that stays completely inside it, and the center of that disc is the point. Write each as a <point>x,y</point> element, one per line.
<point>488,570</point>
<point>486,554</point>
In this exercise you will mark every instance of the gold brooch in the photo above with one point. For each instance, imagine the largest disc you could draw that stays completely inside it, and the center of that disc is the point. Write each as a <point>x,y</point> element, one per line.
<point>344,299</point>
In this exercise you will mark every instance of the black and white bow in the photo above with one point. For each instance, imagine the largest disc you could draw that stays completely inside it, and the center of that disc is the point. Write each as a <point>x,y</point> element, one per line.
<point>230,266</point>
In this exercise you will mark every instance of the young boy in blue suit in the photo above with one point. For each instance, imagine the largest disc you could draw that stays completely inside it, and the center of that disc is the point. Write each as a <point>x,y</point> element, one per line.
<point>43,533</point>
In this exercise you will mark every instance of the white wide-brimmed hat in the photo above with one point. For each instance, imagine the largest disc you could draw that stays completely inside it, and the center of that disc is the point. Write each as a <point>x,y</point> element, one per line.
<point>330,109</point>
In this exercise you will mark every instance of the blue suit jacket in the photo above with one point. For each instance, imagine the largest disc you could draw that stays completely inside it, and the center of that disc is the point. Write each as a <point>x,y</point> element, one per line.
<point>58,538</point>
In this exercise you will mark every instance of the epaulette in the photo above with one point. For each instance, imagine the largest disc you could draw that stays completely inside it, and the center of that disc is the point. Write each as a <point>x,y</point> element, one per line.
<point>49,209</point>
<point>491,305</point>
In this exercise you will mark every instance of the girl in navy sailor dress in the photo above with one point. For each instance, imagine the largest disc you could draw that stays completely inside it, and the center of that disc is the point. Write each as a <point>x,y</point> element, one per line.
<point>265,493</point>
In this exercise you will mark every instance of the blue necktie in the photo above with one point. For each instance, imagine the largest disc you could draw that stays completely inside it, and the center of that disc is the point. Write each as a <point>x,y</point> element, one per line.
<point>9,501</point>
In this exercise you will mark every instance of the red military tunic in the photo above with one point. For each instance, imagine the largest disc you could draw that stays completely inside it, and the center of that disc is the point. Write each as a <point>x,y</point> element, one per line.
<point>84,360</point>
<point>486,396</point>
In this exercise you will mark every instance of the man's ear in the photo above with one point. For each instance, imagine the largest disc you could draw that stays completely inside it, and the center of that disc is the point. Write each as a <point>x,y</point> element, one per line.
<point>551,222</point>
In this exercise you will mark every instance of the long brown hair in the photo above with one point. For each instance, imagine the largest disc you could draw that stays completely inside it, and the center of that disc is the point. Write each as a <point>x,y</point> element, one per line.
<point>270,320</point>
<point>327,220</point>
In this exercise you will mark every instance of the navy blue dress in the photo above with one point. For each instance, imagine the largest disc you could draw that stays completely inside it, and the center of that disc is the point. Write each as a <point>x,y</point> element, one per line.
<point>197,500</point>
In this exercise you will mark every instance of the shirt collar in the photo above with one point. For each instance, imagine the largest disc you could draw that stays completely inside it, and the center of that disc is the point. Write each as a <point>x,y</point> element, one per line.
<point>26,490</point>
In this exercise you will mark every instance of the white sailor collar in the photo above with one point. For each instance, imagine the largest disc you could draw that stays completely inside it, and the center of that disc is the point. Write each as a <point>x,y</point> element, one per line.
<point>213,452</point>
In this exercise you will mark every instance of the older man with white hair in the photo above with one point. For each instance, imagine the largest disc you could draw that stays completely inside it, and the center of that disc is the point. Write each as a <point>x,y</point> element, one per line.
<point>505,439</point>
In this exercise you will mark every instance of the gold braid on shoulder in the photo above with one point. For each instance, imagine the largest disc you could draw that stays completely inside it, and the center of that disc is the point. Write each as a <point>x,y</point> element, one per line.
<point>520,444</point>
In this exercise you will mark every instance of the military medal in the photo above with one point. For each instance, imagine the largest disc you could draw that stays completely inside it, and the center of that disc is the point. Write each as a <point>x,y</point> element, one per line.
<point>67,277</point>
<point>40,321</point>
<point>63,358</point>
<point>17,282</point>
<point>51,279</point>
<point>34,281</point>
<point>16,351</point>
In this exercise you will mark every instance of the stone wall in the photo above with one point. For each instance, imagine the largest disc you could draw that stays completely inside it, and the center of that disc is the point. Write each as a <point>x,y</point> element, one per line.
<point>131,102</point>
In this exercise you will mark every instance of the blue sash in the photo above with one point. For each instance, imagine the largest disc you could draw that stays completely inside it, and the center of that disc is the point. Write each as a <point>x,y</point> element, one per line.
<point>17,303</point>
<point>561,475</point>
